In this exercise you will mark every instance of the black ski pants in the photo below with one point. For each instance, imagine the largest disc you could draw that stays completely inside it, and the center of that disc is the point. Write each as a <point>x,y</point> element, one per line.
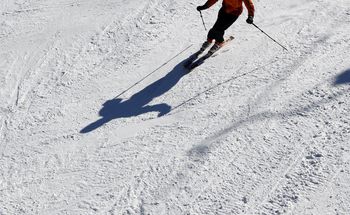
<point>223,22</point>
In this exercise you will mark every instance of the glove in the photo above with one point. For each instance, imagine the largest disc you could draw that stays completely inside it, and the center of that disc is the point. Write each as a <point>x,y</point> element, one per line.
<point>203,7</point>
<point>250,19</point>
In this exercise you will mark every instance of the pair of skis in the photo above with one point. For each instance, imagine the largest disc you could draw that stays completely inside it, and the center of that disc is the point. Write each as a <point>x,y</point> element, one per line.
<point>195,61</point>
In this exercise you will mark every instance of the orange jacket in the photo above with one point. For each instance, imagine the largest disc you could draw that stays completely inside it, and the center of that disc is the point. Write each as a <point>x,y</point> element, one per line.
<point>234,6</point>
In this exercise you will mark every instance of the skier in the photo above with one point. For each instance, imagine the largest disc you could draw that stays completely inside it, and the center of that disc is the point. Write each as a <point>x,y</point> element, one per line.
<point>228,14</point>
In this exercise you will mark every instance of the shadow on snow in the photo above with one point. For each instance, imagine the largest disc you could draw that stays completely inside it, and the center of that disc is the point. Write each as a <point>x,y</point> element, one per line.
<point>138,103</point>
<point>204,147</point>
<point>343,78</point>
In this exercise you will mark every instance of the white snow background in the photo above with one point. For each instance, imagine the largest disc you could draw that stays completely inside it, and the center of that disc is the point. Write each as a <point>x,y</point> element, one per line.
<point>254,130</point>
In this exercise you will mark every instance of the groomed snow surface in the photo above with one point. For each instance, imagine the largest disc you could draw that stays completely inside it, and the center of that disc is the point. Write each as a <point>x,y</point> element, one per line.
<point>98,116</point>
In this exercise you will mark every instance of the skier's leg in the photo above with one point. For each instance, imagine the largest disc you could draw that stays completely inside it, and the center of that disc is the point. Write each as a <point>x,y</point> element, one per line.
<point>223,22</point>
<point>214,32</point>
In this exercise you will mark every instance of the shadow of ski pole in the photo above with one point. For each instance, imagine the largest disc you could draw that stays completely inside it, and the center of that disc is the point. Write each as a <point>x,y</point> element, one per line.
<point>222,83</point>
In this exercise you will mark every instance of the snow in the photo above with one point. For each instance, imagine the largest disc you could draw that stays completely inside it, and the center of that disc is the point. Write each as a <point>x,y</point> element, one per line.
<point>97,115</point>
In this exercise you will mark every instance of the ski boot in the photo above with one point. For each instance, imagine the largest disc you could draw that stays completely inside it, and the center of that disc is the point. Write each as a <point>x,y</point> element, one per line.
<point>205,45</point>
<point>215,48</point>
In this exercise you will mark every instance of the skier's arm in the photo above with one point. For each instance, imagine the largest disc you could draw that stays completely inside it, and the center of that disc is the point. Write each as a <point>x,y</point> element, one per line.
<point>250,7</point>
<point>207,5</point>
<point>210,3</point>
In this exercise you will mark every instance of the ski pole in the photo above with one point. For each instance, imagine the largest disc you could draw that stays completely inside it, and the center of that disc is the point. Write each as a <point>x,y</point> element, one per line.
<point>200,12</point>
<point>270,37</point>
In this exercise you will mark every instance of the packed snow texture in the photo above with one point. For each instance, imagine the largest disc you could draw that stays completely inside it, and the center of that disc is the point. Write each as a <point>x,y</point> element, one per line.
<point>98,115</point>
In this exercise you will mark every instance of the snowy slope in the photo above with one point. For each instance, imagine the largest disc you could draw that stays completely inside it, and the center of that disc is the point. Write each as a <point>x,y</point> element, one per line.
<point>255,130</point>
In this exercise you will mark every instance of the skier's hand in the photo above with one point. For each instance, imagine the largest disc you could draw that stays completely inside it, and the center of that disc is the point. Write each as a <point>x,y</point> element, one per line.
<point>250,19</point>
<point>203,7</point>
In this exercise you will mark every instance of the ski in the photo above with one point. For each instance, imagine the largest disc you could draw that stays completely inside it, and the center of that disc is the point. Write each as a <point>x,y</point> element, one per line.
<point>194,62</point>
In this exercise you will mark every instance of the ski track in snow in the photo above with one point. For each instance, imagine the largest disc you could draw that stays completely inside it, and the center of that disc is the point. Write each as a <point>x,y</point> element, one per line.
<point>254,130</point>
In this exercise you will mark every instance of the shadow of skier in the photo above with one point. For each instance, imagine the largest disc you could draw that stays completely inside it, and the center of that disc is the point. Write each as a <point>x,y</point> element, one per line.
<point>343,78</point>
<point>138,103</point>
